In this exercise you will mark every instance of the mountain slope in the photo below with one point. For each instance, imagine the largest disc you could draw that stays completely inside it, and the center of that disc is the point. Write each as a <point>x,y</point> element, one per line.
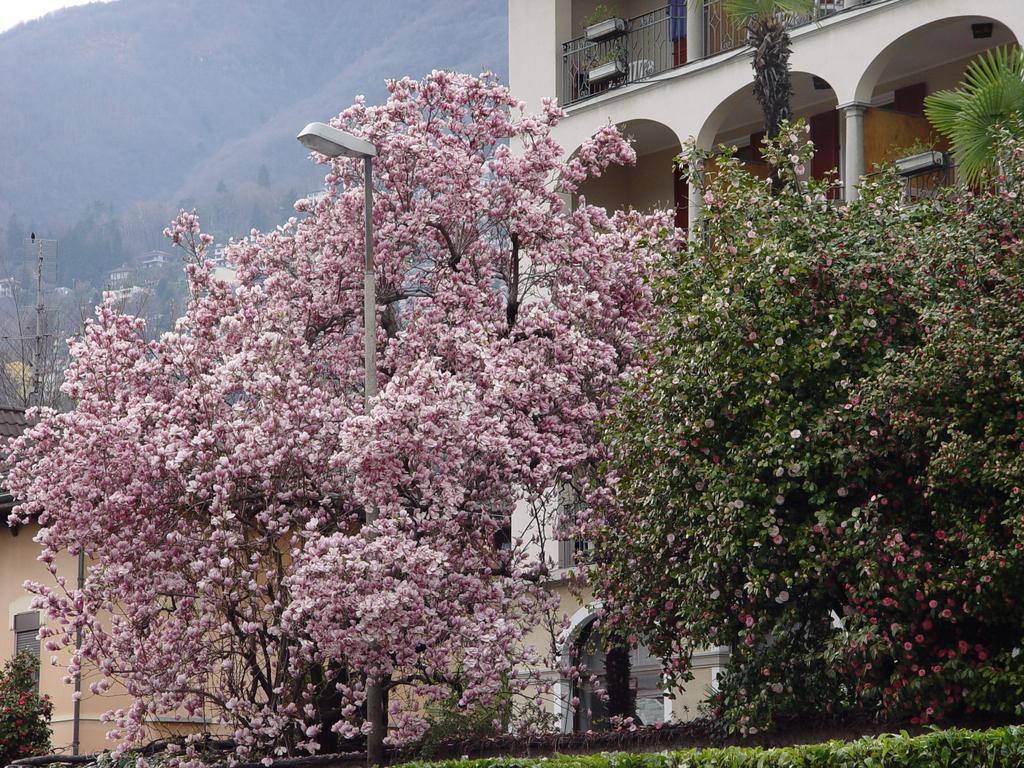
<point>138,104</point>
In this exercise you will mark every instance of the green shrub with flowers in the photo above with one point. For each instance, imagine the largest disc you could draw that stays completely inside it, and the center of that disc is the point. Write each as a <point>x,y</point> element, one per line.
<point>24,714</point>
<point>823,465</point>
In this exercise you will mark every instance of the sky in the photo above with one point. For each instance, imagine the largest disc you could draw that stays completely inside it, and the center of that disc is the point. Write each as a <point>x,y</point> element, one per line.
<point>16,11</point>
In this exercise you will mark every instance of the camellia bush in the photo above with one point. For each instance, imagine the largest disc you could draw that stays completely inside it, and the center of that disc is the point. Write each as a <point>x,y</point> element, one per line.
<point>218,478</point>
<point>24,714</point>
<point>822,467</point>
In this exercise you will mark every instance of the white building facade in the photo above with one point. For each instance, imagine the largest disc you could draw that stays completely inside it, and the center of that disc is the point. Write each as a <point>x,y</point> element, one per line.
<point>861,70</point>
<point>665,71</point>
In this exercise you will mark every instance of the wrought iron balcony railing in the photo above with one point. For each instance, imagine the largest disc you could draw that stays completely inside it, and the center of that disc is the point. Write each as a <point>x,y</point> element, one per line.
<point>928,179</point>
<point>652,43</point>
<point>722,34</point>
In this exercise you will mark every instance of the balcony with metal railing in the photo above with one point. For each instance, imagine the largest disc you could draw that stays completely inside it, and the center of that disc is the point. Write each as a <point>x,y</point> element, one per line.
<point>621,51</point>
<point>634,50</point>
<point>926,175</point>
<point>722,34</point>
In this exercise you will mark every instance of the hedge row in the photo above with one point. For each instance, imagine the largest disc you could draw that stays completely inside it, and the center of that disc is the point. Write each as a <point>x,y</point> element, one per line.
<point>997,748</point>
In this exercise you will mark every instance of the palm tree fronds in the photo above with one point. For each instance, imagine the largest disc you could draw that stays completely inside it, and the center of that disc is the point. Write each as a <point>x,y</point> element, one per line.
<point>943,110</point>
<point>992,90</point>
<point>745,11</point>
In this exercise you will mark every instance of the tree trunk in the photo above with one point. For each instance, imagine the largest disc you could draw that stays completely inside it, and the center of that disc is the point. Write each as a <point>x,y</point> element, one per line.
<point>377,716</point>
<point>773,86</point>
<point>618,671</point>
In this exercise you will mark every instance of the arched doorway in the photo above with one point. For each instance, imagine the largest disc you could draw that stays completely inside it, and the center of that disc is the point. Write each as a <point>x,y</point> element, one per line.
<point>653,183</point>
<point>737,122</point>
<point>894,85</point>
<point>618,682</point>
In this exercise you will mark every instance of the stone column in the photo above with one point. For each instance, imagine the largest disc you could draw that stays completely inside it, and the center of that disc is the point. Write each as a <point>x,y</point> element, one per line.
<point>695,203</point>
<point>853,148</point>
<point>694,30</point>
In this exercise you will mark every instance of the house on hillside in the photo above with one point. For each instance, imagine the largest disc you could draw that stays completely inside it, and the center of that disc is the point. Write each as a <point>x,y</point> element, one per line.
<point>8,287</point>
<point>666,70</point>
<point>155,260</point>
<point>121,277</point>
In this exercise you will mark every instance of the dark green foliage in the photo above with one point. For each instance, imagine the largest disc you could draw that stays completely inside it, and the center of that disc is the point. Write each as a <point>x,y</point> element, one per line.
<point>999,748</point>
<point>24,715</point>
<point>992,92</point>
<point>827,452</point>
<point>91,247</point>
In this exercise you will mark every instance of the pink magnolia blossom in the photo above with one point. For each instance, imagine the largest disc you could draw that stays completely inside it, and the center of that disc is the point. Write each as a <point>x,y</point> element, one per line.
<point>217,477</point>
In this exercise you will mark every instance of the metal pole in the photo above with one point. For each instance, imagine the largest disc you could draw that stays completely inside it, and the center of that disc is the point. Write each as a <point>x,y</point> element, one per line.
<point>77,703</point>
<point>369,291</point>
<point>37,362</point>
<point>374,690</point>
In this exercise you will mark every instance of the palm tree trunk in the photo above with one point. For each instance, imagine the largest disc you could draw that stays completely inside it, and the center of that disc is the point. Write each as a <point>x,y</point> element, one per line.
<point>773,87</point>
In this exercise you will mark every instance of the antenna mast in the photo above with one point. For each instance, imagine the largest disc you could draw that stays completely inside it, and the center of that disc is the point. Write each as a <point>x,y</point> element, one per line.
<point>43,254</point>
<point>37,357</point>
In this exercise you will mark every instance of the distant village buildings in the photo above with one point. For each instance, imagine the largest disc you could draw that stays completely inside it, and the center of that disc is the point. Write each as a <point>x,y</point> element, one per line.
<point>155,260</point>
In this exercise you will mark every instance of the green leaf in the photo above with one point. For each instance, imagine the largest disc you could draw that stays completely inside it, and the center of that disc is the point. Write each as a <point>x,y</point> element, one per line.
<point>992,91</point>
<point>743,11</point>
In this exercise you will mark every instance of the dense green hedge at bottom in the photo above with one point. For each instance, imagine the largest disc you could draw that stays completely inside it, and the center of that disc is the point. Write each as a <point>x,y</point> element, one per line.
<point>997,748</point>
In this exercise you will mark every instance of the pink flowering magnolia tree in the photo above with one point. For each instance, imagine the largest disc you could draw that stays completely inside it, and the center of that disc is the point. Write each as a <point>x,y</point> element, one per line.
<point>217,477</point>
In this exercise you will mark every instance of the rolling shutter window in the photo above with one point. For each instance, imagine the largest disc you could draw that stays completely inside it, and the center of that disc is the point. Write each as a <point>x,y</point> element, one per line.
<point>26,630</point>
<point>26,635</point>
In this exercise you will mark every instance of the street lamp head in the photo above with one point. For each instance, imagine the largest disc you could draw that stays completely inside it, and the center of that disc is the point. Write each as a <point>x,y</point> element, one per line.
<point>322,138</point>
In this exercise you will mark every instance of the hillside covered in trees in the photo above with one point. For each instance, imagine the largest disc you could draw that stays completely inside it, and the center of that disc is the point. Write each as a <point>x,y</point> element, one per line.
<point>119,113</point>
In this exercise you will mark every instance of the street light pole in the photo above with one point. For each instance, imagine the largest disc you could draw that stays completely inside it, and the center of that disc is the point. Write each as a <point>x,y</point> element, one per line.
<point>322,138</point>
<point>369,292</point>
<point>331,142</point>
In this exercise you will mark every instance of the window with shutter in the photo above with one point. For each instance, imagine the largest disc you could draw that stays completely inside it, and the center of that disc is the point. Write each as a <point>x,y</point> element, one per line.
<point>26,635</point>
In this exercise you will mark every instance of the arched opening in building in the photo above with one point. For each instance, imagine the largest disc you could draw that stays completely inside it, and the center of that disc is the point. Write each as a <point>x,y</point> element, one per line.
<point>893,87</point>
<point>738,122</point>
<point>653,183</point>
<point>620,682</point>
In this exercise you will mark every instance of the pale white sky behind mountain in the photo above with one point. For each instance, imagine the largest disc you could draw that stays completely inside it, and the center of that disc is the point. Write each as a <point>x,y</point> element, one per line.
<point>16,11</point>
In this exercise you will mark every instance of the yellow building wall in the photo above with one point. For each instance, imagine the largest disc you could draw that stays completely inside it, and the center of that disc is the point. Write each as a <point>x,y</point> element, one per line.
<point>18,564</point>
